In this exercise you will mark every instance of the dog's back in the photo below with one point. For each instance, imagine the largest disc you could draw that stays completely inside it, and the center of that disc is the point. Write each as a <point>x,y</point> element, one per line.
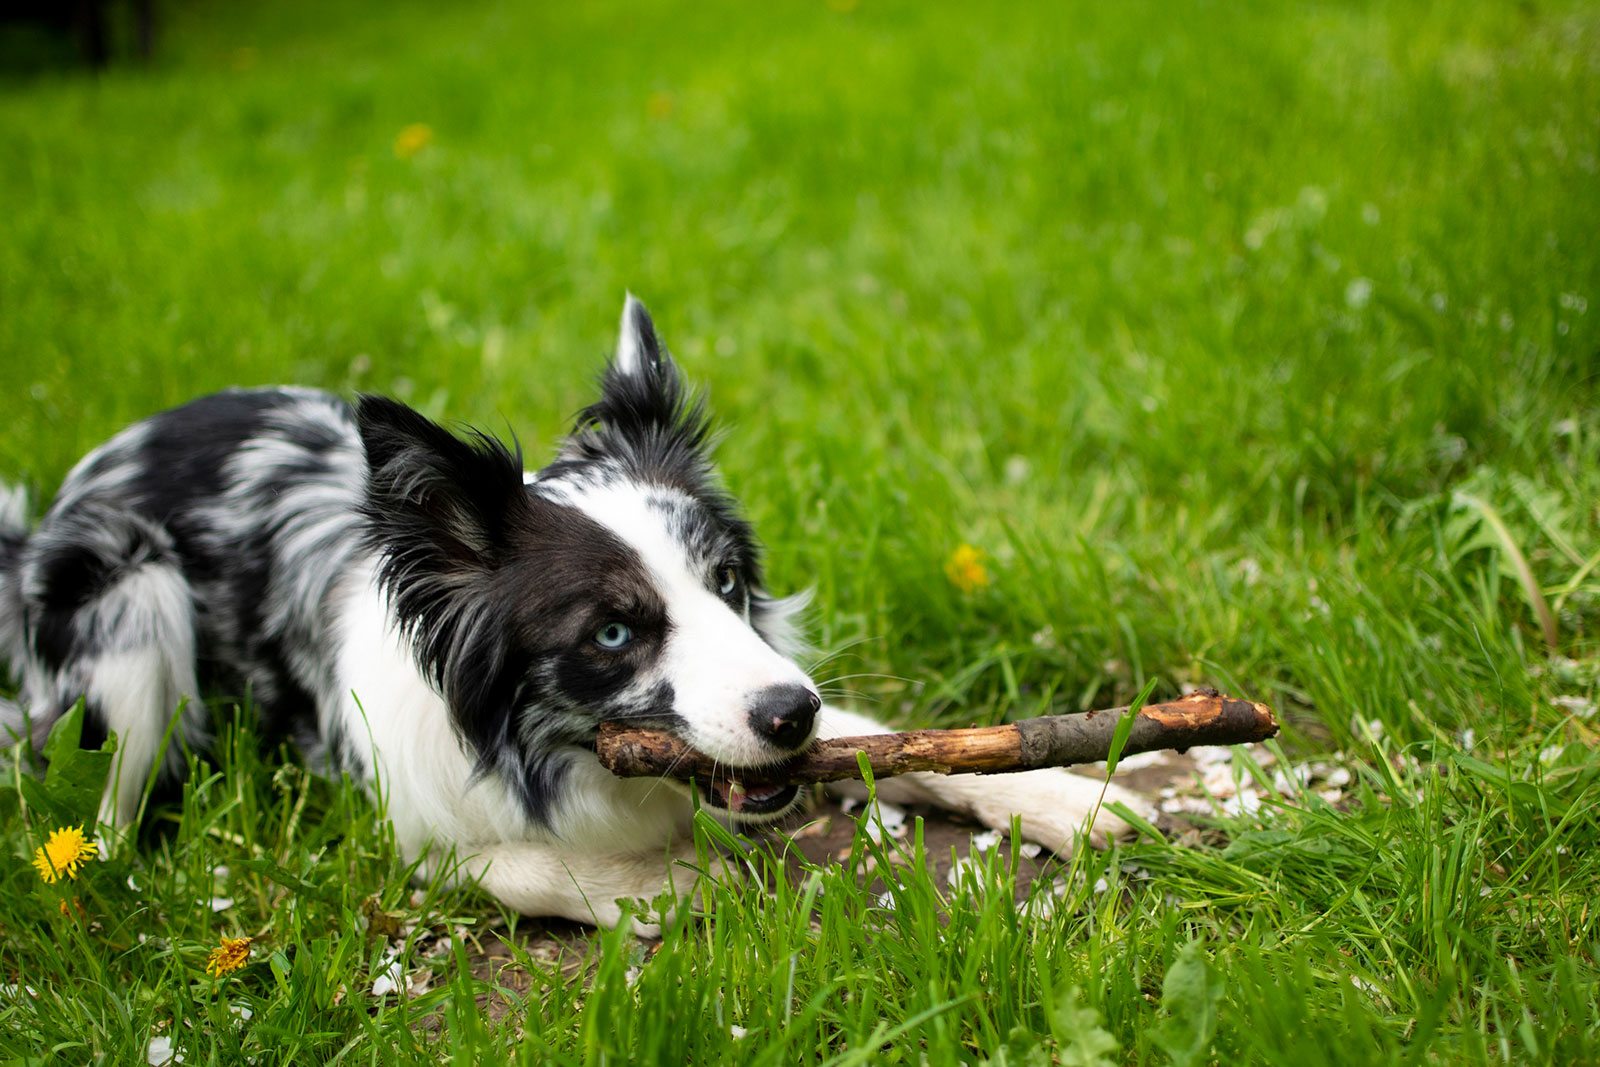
<point>194,549</point>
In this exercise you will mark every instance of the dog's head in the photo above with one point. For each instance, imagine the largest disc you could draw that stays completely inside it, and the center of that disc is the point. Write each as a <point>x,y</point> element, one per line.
<point>617,584</point>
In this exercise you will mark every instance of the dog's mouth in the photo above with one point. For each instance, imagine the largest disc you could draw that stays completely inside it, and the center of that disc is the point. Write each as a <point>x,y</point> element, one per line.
<point>747,800</point>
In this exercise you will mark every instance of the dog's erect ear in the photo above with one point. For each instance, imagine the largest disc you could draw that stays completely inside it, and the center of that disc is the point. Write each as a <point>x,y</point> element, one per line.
<point>639,350</point>
<point>645,415</point>
<point>433,500</point>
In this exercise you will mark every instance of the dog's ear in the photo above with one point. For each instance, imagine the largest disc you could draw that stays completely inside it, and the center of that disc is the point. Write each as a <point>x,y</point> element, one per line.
<point>645,414</point>
<point>438,509</point>
<point>639,350</point>
<point>433,500</point>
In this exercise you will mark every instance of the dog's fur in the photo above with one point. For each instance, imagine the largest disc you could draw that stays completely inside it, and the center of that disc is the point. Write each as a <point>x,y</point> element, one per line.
<point>418,611</point>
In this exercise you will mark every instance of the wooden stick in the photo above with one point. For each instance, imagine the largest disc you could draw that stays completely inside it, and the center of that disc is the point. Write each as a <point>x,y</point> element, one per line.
<point>1204,717</point>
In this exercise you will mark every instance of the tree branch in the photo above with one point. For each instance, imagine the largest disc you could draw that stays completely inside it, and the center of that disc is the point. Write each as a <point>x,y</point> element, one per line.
<point>1204,717</point>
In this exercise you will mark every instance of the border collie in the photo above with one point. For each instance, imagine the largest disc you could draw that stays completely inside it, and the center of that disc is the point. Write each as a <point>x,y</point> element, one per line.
<point>417,610</point>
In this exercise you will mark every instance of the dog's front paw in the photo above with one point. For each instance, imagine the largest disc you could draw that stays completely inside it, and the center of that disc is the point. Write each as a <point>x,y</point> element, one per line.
<point>1054,807</point>
<point>647,893</point>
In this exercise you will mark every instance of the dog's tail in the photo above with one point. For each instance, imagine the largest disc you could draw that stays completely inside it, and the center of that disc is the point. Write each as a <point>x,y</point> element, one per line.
<point>13,536</point>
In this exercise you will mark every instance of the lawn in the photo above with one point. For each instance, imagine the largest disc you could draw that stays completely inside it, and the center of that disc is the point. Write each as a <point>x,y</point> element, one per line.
<point>1249,343</point>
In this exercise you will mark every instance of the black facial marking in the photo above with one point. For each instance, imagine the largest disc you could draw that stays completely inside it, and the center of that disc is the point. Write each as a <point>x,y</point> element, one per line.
<point>501,591</point>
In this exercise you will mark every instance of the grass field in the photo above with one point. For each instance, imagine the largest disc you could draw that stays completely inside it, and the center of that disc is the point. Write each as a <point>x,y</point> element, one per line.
<point>1251,343</point>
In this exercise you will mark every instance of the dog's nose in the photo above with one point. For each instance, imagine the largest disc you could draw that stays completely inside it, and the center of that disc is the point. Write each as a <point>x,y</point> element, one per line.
<point>784,714</point>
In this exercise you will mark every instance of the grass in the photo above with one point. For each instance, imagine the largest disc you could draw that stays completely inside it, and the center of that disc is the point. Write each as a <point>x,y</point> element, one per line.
<point>1251,343</point>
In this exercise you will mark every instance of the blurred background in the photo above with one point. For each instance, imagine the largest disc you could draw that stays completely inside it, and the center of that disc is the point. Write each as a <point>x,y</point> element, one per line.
<point>1058,344</point>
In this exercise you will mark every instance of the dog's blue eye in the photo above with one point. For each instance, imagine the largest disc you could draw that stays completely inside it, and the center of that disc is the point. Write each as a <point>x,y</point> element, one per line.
<point>613,635</point>
<point>727,581</point>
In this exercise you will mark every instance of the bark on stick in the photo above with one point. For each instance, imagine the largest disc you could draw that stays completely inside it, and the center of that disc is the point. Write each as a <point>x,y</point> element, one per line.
<point>1204,717</point>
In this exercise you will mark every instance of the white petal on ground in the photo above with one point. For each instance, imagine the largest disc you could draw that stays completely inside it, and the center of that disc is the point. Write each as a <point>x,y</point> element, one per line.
<point>391,977</point>
<point>161,1051</point>
<point>985,841</point>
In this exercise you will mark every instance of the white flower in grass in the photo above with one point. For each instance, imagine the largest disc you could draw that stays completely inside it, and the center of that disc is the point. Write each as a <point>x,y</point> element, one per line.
<point>886,818</point>
<point>391,976</point>
<point>162,1051</point>
<point>953,877</point>
<point>1358,293</point>
<point>1247,802</point>
<point>1289,781</point>
<point>1206,755</point>
<point>1139,760</point>
<point>1583,709</point>
<point>985,841</point>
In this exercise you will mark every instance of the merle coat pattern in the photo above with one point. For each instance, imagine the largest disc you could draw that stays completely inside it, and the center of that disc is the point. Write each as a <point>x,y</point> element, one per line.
<point>415,609</point>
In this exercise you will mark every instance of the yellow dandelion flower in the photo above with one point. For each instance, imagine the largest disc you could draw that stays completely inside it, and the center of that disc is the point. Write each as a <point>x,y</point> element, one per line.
<point>413,139</point>
<point>965,569</point>
<point>661,104</point>
<point>228,956</point>
<point>63,853</point>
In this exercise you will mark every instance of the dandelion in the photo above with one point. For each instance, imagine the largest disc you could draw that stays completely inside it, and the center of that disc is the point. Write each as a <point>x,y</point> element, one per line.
<point>63,853</point>
<point>661,104</point>
<point>228,956</point>
<point>413,139</point>
<point>965,569</point>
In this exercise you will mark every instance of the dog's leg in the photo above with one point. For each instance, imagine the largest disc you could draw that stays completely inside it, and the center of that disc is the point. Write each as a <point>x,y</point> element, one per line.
<point>1053,806</point>
<point>538,879</point>
<point>112,618</point>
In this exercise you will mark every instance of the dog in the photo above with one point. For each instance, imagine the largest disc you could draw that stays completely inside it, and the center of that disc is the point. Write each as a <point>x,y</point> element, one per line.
<point>415,609</point>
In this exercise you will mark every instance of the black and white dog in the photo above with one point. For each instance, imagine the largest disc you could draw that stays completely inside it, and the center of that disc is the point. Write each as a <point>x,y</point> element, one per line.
<point>419,611</point>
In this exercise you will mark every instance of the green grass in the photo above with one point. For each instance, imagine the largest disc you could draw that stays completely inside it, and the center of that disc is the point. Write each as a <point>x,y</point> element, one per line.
<point>1222,329</point>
